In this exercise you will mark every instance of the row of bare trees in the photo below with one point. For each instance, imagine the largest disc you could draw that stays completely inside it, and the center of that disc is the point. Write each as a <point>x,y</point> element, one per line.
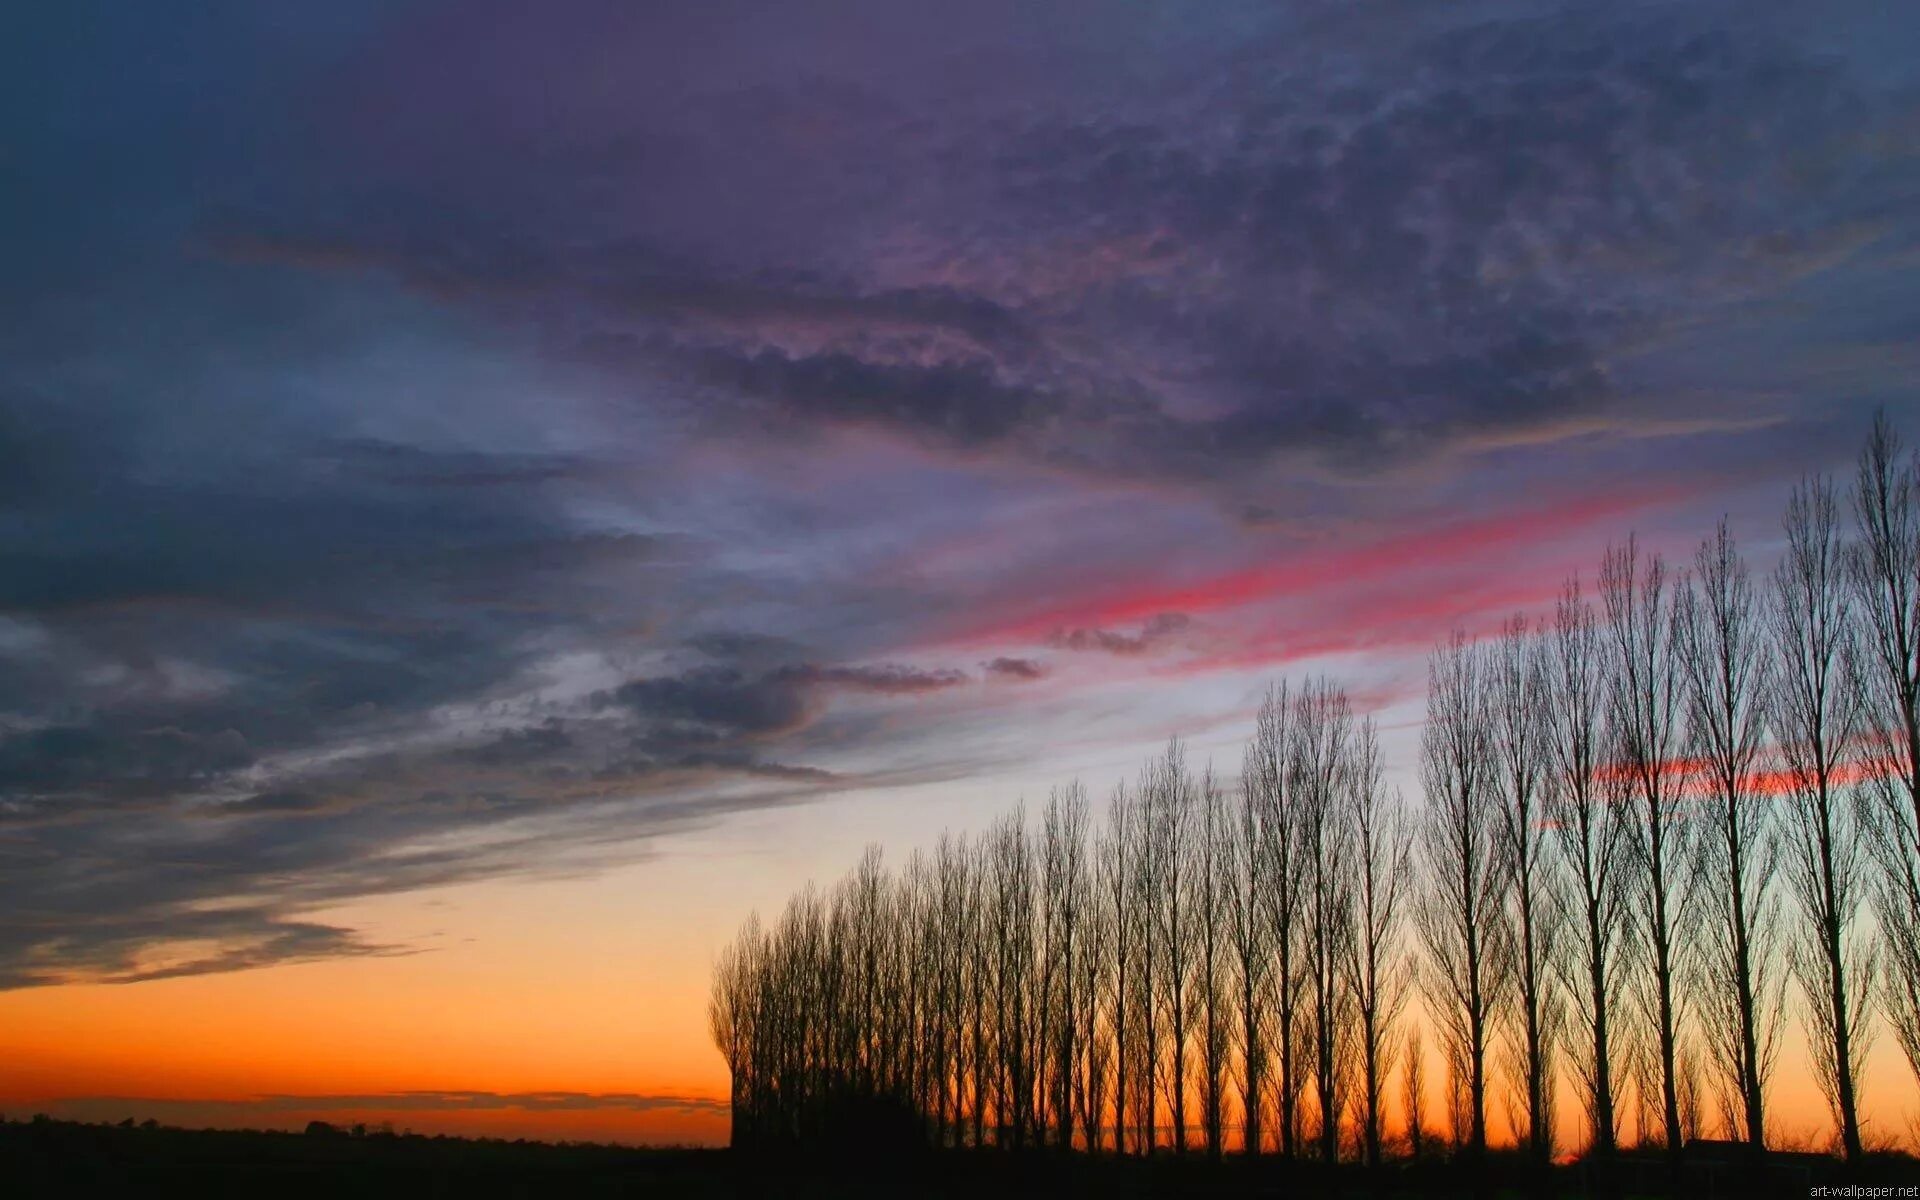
<point>1203,970</point>
<point>1658,825</point>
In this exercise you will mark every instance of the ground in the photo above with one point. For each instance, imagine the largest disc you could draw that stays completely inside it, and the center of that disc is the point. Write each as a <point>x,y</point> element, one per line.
<point>66,1159</point>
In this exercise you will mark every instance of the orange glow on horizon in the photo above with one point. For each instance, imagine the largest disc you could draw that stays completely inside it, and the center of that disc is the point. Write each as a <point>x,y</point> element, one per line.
<point>554,991</point>
<point>203,1047</point>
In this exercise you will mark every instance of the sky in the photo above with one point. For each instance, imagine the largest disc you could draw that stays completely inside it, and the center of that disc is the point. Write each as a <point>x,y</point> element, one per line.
<point>492,493</point>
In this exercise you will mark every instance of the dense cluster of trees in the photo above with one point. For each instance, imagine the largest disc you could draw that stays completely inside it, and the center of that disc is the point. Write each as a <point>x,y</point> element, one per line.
<point>1656,825</point>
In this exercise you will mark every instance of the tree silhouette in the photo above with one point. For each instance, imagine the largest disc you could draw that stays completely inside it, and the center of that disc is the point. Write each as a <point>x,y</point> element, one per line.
<point>1647,720</point>
<point>1461,920</point>
<point>1727,675</point>
<point>1816,714</point>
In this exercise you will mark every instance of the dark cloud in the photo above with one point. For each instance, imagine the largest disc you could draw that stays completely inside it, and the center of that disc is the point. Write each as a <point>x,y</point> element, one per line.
<point>718,700</point>
<point>1150,636</point>
<point>545,741</point>
<point>275,802</point>
<point>959,404</point>
<point>1016,670</point>
<point>726,698</point>
<point>891,679</point>
<point>82,758</point>
<point>134,945</point>
<point>639,281</point>
<point>400,465</point>
<point>744,646</point>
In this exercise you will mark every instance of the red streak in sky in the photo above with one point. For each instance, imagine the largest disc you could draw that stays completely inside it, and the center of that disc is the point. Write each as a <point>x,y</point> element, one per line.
<point>1696,777</point>
<point>1447,544</point>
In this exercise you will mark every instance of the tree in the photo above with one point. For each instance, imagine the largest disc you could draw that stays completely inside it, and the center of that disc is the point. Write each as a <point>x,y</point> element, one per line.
<point>1213,889</point>
<point>1063,887</point>
<point>1724,664</point>
<point>1169,793</point>
<point>1146,903</point>
<point>1117,867</point>
<point>1648,728</point>
<point>1098,962</point>
<point>1323,727</point>
<point>1414,1085</point>
<point>952,862</point>
<point>1817,719</point>
<point>1585,804</point>
<point>979,983</point>
<point>1376,969</point>
<point>1460,919</point>
<point>1273,762</point>
<point>1010,915</point>
<point>1885,573</point>
<point>1252,948</point>
<point>1519,680</point>
<point>1587,823</point>
<point>731,1013</point>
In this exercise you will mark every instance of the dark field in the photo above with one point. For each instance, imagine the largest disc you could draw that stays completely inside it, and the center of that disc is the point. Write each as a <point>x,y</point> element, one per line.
<point>58,1159</point>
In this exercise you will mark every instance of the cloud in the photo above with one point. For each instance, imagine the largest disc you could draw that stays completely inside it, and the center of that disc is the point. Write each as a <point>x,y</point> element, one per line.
<point>717,705</point>
<point>719,700</point>
<point>200,887</point>
<point>221,851</point>
<point>275,802</point>
<point>1326,248</point>
<point>134,946</point>
<point>957,404</point>
<point>1014,670</point>
<point>889,679</point>
<point>1157,629</point>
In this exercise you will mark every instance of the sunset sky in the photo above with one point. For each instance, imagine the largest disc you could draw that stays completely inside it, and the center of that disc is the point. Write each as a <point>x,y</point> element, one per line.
<point>492,493</point>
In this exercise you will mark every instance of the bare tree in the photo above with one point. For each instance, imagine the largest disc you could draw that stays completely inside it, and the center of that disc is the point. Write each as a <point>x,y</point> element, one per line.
<point>1648,729</point>
<point>1724,660</point>
<point>862,898</point>
<point>979,983</point>
<point>1063,885</point>
<point>1011,918</point>
<point>1252,948</point>
<point>1460,918</point>
<point>1150,1018</point>
<point>1377,966</point>
<point>1885,570</point>
<point>1585,808</point>
<point>1519,682</point>
<point>1817,721</point>
<point>1171,795</point>
<point>1098,963</point>
<point>1213,889</point>
<point>950,949</point>
<point>1117,865</point>
<point>909,971</point>
<point>1413,1092</point>
<point>731,1017</point>
<point>1323,727</point>
<point>1271,758</point>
